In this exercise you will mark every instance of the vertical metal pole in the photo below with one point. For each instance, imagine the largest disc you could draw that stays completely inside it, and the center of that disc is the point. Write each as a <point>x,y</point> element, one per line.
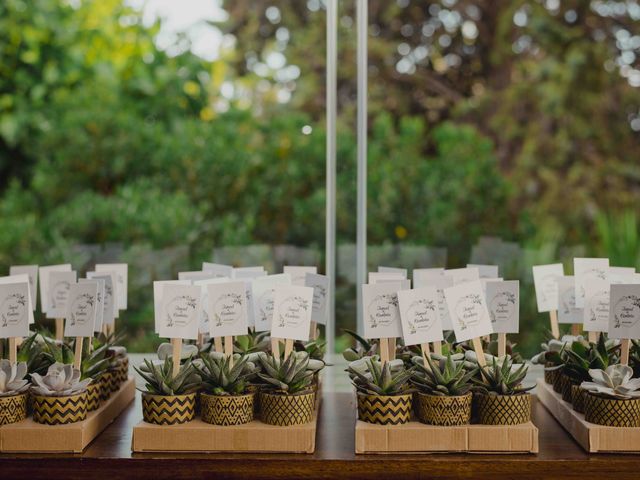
<point>332,105</point>
<point>361,237</point>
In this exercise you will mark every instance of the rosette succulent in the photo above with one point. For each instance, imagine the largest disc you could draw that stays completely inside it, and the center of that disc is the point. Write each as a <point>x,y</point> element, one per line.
<point>220,378</point>
<point>12,381</point>
<point>377,379</point>
<point>160,380</point>
<point>445,377</point>
<point>614,382</point>
<point>502,379</point>
<point>61,380</point>
<point>293,375</point>
<point>581,357</point>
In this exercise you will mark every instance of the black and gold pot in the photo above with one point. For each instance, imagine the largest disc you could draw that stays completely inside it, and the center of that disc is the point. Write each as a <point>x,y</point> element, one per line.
<point>557,381</point>
<point>121,371</point>
<point>13,408</point>
<point>168,409</point>
<point>612,412</point>
<point>578,398</point>
<point>255,389</point>
<point>443,411</point>
<point>565,387</point>
<point>385,409</point>
<point>503,409</point>
<point>59,410</point>
<point>107,383</point>
<point>285,410</point>
<point>550,375</point>
<point>226,409</point>
<point>94,395</point>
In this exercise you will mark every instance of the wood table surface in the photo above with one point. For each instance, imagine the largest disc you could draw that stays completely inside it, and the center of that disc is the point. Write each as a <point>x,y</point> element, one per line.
<point>110,456</point>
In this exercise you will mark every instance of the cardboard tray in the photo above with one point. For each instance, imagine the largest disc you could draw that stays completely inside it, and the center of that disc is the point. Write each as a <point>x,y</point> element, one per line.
<point>593,438</point>
<point>29,437</point>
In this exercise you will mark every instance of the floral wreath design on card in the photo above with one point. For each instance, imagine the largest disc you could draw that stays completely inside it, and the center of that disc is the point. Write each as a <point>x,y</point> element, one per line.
<point>179,307</point>
<point>627,304</point>
<point>265,303</point>
<point>16,302</point>
<point>319,292</point>
<point>427,321</point>
<point>288,311</point>
<point>60,287</point>
<point>233,302</point>
<point>600,298</point>
<point>547,283</point>
<point>381,303</point>
<point>568,300</point>
<point>79,308</point>
<point>470,305</point>
<point>509,299</point>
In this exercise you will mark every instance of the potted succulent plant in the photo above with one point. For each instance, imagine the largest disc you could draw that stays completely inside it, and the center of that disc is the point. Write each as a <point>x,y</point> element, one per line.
<point>93,366</point>
<point>501,399</point>
<point>613,397</point>
<point>59,397</point>
<point>363,347</point>
<point>443,390</point>
<point>13,392</point>
<point>384,392</point>
<point>287,396</point>
<point>169,399</point>
<point>226,398</point>
<point>552,359</point>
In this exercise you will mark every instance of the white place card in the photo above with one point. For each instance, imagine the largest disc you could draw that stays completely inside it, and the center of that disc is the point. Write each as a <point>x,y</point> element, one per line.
<point>463,275</point>
<point>544,281</point>
<point>21,278</point>
<point>81,310</point>
<point>620,275</point>
<point>158,287</point>
<point>99,282</point>
<point>624,315</point>
<point>14,310</point>
<point>217,269</point>
<point>567,311</point>
<point>402,271</point>
<point>121,278</point>
<point>468,311</point>
<point>587,268</point>
<point>263,296</point>
<point>596,305</point>
<point>180,311</point>
<point>43,273</point>
<point>292,306</point>
<point>404,283</point>
<point>109,307</point>
<point>503,302</point>
<point>421,276</point>
<point>204,326</point>
<point>420,316</point>
<point>375,277</point>
<point>242,270</point>
<point>195,275</point>
<point>485,271</point>
<point>440,283</point>
<point>32,272</point>
<point>381,314</point>
<point>227,309</point>
<point>320,285</point>
<point>298,273</point>
<point>248,274</point>
<point>58,291</point>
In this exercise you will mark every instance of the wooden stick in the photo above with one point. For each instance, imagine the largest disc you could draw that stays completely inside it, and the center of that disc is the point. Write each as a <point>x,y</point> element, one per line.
<point>392,348</point>
<point>593,337</point>
<point>425,353</point>
<point>313,334</point>
<point>217,342</point>
<point>60,329</point>
<point>77,360</point>
<point>177,354</point>
<point>200,340</point>
<point>502,344</point>
<point>384,350</point>
<point>576,329</point>
<point>275,347</point>
<point>228,349</point>
<point>13,350</point>
<point>288,347</point>
<point>553,319</point>
<point>477,346</point>
<point>437,347</point>
<point>624,352</point>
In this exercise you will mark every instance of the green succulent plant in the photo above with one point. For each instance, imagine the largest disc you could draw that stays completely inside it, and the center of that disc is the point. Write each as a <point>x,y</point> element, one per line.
<point>160,380</point>
<point>316,348</point>
<point>220,378</point>
<point>444,377</point>
<point>582,356</point>
<point>502,379</point>
<point>293,375</point>
<point>40,352</point>
<point>379,379</point>
<point>252,342</point>
<point>94,363</point>
<point>634,357</point>
<point>363,347</point>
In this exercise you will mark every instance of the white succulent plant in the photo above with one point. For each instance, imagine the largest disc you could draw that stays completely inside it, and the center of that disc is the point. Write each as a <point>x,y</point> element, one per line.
<point>61,380</point>
<point>614,382</point>
<point>12,381</point>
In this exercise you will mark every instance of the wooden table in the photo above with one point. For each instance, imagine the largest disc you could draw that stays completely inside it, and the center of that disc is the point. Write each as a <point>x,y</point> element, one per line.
<point>110,457</point>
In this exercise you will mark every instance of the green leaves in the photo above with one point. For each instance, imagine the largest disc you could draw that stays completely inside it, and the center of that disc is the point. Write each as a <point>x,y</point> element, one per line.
<point>379,379</point>
<point>502,379</point>
<point>289,376</point>
<point>160,380</point>
<point>444,377</point>
<point>220,378</point>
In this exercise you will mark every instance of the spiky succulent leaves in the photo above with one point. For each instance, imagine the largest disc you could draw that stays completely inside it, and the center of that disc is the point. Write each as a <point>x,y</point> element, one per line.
<point>219,378</point>
<point>94,363</point>
<point>380,380</point>
<point>287,377</point>
<point>363,347</point>
<point>502,379</point>
<point>160,380</point>
<point>315,349</point>
<point>443,378</point>
<point>251,343</point>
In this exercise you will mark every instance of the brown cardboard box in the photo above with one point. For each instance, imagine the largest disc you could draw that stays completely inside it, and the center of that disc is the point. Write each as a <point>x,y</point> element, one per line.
<point>593,438</point>
<point>29,436</point>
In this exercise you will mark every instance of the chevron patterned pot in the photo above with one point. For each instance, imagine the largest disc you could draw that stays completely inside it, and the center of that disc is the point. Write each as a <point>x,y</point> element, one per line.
<point>107,382</point>
<point>94,393</point>
<point>503,409</point>
<point>550,375</point>
<point>121,371</point>
<point>286,410</point>
<point>168,409</point>
<point>385,409</point>
<point>226,409</point>
<point>59,410</point>
<point>612,412</point>
<point>13,409</point>
<point>443,411</point>
<point>578,398</point>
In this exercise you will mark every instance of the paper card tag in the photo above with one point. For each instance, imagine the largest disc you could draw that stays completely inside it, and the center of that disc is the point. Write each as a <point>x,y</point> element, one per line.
<point>14,310</point>
<point>485,281</point>
<point>463,275</point>
<point>420,316</point>
<point>248,274</point>
<point>99,282</point>
<point>263,296</point>
<point>109,310</point>
<point>544,280</point>
<point>195,275</point>
<point>205,315</point>
<point>59,286</point>
<point>585,269</point>
<point>21,278</point>
<point>121,278</point>
<point>421,276</point>
<point>298,273</point>
<point>32,272</point>
<point>468,311</point>
<point>381,314</point>
<point>404,283</point>
<point>292,307</point>
<point>43,273</point>
<point>248,291</point>
<point>485,271</point>
<point>217,269</point>
<point>227,309</point>
<point>81,310</point>
<point>624,315</point>
<point>376,277</point>
<point>440,283</point>
<point>401,271</point>
<point>621,275</point>
<point>596,305</point>
<point>238,272</point>
<point>320,285</point>
<point>567,311</point>
<point>503,302</point>
<point>180,311</point>
<point>158,285</point>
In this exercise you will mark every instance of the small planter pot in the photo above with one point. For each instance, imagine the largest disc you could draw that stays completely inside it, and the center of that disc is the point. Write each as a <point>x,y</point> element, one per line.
<point>226,409</point>
<point>168,409</point>
<point>59,410</point>
<point>565,387</point>
<point>94,394</point>
<point>13,409</point>
<point>255,389</point>
<point>557,381</point>
<point>107,383</point>
<point>443,411</point>
<point>550,375</point>
<point>285,410</point>
<point>385,409</point>
<point>122,371</point>
<point>503,409</point>
<point>578,398</point>
<point>612,412</point>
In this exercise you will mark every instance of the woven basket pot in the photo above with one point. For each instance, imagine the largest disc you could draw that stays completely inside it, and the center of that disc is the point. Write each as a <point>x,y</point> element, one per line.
<point>578,398</point>
<point>59,410</point>
<point>94,394</point>
<point>443,411</point>
<point>612,412</point>
<point>13,409</point>
<point>503,409</point>
<point>285,410</point>
<point>226,409</point>
<point>550,375</point>
<point>168,409</point>
<point>385,409</point>
<point>557,381</point>
<point>565,387</point>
